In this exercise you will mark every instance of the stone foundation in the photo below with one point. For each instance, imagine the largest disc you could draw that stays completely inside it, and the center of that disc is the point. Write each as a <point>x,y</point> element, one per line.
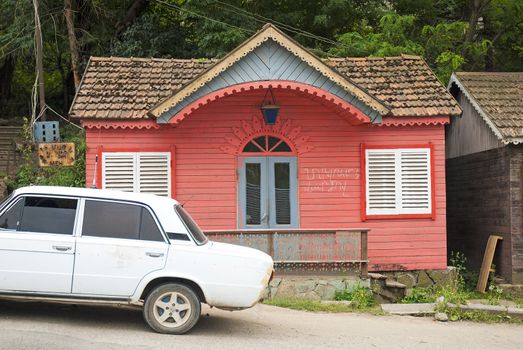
<point>387,286</point>
<point>312,287</point>
<point>423,278</point>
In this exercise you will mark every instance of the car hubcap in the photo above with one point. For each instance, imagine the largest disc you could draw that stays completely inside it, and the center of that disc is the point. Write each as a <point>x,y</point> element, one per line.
<point>172,309</point>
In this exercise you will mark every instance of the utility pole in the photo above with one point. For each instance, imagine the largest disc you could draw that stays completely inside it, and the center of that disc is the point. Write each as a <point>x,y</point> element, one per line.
<point>39,61</point>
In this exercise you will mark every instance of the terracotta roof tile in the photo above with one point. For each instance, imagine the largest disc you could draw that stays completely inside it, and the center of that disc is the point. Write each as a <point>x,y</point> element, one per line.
<point>127,88</point>
<point>500,97</point>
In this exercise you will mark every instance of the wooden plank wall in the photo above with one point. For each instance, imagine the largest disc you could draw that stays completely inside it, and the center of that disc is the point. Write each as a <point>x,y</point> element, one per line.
<point>328,175</point>
<point>516,214</point>
<point>478,205</point>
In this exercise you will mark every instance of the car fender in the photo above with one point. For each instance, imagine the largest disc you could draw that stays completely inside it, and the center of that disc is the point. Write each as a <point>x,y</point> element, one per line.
<point>135,298</point>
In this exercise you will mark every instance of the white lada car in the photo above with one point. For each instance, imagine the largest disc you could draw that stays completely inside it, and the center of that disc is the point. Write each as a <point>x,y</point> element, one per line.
<point>83,245</point>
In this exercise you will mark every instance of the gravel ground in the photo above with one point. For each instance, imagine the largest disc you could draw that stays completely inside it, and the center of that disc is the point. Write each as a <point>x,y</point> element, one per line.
<point>52,326</point>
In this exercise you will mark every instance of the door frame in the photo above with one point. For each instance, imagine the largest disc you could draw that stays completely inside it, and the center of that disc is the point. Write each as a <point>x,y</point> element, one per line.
<point>267,196</point>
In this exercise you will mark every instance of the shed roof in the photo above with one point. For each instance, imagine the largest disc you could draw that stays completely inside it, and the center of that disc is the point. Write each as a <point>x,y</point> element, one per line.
<point>498,98</point>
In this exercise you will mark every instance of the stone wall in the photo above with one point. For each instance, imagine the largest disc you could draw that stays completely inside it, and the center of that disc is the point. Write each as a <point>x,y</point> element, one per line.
<point>312,287</point>
<point>387,286</point>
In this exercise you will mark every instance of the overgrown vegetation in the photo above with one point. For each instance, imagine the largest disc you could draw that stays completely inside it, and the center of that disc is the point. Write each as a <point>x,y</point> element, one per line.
<point>462,290</point>
<point>317,306</point>
<point>359,296</point>
<point>31,174</point>
<point>470,35</point>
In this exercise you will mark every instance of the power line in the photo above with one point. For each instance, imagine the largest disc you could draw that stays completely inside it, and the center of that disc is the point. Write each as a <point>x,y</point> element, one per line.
<point>256,18</point>
<point>173,6</point>
<point>260,18</point>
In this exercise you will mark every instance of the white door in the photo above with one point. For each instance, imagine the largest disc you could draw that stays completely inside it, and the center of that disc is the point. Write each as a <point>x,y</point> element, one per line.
<point>120,244</point>
<point>37,245</point>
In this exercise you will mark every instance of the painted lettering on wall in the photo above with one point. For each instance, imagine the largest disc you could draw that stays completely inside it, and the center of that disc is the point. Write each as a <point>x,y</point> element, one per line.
<point>330,180</point>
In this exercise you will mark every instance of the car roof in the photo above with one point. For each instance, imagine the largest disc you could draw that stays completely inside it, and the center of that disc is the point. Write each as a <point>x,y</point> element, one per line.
<point>96,193</point>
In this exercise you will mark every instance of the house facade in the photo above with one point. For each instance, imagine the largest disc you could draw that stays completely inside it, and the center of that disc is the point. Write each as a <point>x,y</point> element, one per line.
<point>484,170</point>
<point>356,144</point>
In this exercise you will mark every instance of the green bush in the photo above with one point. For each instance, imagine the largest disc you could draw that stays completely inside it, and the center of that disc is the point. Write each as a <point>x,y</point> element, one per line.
<point>420,295</point>
<point>361,297</point>
<point>31,174</point>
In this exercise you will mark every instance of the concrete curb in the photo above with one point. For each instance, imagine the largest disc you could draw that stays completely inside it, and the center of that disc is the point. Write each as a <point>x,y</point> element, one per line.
<point>410,309</point>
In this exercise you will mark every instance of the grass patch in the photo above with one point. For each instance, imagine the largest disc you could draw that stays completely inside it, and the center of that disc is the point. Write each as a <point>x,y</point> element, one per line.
<point>316,306</point>
<point>361,297</point>
<point>457,314</point>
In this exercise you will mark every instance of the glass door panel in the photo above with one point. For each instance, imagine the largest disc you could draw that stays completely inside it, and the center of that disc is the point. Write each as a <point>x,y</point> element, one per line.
<point>253,197</point>
<point>283,203</point>
<point>268,193</point>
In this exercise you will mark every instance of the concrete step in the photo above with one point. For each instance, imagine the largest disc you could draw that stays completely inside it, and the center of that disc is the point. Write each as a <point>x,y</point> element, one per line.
<point>409,309</point>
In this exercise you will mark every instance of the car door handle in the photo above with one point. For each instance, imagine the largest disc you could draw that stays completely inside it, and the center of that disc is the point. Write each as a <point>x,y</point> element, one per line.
<point>62,248</point>
<point>154,255</point>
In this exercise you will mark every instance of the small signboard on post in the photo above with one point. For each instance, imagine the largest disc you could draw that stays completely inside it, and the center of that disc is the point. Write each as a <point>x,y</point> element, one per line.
<point>56,154</point>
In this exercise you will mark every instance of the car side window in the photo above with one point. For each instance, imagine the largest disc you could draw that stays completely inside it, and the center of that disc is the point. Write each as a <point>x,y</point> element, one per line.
<point>10,219</point>
<point>119,220</point>
<point>48,215</point>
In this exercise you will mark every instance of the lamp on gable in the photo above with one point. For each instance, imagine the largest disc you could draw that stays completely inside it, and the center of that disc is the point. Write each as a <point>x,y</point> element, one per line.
<point>269,108</point>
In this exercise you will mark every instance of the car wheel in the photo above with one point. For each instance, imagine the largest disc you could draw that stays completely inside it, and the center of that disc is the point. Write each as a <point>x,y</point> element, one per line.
<point>172,308</point>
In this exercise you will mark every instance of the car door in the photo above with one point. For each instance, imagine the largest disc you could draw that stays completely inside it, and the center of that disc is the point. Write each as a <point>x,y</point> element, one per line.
<point>37,245</point>
<point>120,243</point>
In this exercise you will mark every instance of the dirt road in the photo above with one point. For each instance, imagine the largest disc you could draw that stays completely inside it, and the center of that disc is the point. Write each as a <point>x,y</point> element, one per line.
<point>51,326</point>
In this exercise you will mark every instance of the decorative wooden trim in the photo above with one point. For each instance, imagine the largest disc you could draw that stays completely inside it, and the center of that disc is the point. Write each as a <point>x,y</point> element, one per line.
<point>98,175</point>
<point>268,32</point>
<point>126,124</point>
<point>283,129</point>
<point>363,184</point>
<point>350,112</point>
<point>167,149</point>
<point>414,121</point>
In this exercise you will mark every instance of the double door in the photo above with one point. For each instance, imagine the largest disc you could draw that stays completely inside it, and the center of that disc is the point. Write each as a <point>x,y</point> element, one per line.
<point>268,192</point>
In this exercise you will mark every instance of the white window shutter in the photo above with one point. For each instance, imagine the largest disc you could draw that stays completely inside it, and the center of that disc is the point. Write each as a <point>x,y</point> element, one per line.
<point>118,171</point>
<point>415,181</point>
<point>154,173</point>
<point>398,181</point>
<point>144,172</point>
<point>381,182</point>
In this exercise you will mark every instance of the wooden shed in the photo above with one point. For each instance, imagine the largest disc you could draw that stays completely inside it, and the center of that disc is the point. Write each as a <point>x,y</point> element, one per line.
<point>358,145</point>
<point>484,169</point>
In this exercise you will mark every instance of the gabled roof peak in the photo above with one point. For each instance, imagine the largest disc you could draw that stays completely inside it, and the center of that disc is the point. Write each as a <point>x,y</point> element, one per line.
<point>270,31</point>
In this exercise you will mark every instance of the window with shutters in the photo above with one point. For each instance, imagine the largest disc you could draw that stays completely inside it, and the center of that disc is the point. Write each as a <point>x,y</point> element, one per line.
<point>144,172</point>
<point>398,181</point>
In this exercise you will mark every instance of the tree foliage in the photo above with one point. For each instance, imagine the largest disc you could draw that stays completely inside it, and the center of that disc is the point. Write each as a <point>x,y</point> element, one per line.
<point>449,34</point>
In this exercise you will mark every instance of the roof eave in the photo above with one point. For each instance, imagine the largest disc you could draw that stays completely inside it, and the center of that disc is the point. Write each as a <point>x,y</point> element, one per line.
<point>454,79</point>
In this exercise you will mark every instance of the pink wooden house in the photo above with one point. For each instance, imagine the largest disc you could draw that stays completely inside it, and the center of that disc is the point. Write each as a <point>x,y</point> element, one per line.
<point>343,145</point>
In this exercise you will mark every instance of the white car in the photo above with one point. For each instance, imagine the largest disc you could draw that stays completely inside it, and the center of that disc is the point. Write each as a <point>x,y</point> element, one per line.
<point>84,245</point>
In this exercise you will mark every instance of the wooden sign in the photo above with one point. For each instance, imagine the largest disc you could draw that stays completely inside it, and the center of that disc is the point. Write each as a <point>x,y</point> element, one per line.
<point>56,154</point>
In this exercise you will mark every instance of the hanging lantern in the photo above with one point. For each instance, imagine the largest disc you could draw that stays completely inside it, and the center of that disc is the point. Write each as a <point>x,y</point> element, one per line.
<point>269,108</point>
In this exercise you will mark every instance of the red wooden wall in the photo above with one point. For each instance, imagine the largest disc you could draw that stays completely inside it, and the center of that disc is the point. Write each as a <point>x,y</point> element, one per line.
<point>328,174</point>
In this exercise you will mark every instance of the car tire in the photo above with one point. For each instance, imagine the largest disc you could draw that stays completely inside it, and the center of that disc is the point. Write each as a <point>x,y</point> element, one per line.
<point>172,309</point>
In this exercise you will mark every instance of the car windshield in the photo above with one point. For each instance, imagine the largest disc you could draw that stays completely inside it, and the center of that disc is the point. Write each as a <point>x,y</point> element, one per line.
<point>193,228</point>
<point>5,200</point>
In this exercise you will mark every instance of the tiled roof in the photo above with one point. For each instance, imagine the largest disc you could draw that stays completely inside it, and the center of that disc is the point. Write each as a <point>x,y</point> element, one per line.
<point>127,88</point>
<point>499,99</point>
<point>405,84</point>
